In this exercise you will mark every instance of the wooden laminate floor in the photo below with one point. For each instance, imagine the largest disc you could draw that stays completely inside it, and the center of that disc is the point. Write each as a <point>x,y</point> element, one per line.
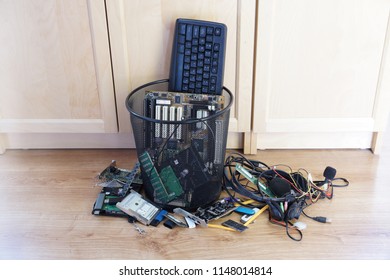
<point>46,198</point>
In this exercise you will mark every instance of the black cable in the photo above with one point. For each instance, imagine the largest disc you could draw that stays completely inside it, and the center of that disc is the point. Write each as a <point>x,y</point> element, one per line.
<point>319,219</point>
<point>238,183</point>
<point>292,237</point>
<point>346,182</point>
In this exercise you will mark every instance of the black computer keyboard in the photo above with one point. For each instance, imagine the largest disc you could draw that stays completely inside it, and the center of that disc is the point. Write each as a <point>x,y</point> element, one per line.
<point>198,57</point>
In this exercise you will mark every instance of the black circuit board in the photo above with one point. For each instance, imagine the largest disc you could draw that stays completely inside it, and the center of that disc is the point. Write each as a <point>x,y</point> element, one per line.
<point>194,128</point>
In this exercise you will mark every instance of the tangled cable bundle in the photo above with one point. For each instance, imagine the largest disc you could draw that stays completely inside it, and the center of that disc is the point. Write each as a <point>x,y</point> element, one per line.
<point>285,192</point>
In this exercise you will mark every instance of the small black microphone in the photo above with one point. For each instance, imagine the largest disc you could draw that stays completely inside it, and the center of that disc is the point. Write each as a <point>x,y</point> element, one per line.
<point>329,173</point>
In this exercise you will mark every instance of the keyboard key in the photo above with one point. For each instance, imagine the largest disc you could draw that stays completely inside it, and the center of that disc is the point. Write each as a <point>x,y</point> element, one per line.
<point>189,32</point>
<point>182,28</point>
<point>182,39</point>
<point>195,32</point>
<point>181,48</point>
<point>202,31</point>
<point>210,31</point>
<point>217,31</point>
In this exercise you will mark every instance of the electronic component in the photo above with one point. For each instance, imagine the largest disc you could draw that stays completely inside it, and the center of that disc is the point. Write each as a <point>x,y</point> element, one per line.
<point>190,169</point>
<point>157,220</point>
<point>198,57</point>
<point>234,225</point>
<point>176,220</point>
<point>161,194</point>
<point>218,144</point>
<point>112,172</point>
<point>247,217</point>
<point>190,222</point>
<point>205,135</point>
<point>215,211</point>
<point>244,210</point>
<point>178,179</point>
<point>171,182</point>
<point>179,161</point>
<point>135,205</point>
<point>116,184</point>
<point>101,207</point>
<point>186,214</point>
<point>300,225</point>
<point>119,181</point>
<point>253,180</point>
<point>170,224</point>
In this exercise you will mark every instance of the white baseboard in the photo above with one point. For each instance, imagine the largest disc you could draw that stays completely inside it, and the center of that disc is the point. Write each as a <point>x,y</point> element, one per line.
<point>83,141</point>
<point>317,140</point>
<point>359,140</point>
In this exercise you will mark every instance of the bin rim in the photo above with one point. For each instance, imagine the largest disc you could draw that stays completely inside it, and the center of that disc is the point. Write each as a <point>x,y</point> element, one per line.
<point>187,121</point>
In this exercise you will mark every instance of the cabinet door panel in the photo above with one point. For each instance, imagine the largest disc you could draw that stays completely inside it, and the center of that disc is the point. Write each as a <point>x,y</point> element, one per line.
<point>318,70</point>
<point>54,73</point>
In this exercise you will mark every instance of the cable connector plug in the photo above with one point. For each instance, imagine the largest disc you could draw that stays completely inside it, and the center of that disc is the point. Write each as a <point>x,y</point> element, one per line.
<point>322,219</point>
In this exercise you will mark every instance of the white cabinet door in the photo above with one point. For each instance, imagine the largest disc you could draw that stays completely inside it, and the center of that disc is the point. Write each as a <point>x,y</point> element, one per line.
<point>322,73</point>
<point>55,71</point>
<point>141,35</point>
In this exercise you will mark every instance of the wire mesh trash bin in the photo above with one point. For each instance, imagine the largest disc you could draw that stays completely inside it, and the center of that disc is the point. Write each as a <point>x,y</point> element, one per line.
<point>181,143</point>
